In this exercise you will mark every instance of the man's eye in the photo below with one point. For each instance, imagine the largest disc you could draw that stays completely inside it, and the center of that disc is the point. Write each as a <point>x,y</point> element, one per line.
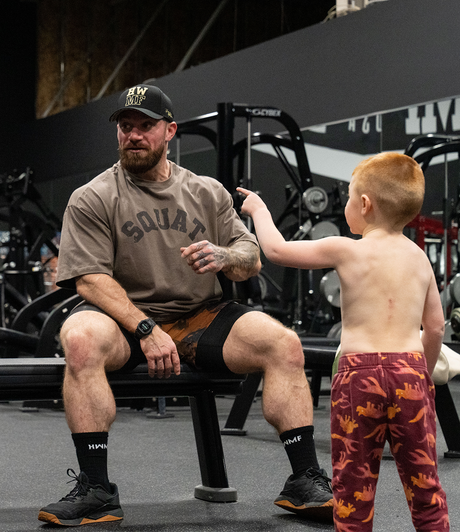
<point>125,127</point>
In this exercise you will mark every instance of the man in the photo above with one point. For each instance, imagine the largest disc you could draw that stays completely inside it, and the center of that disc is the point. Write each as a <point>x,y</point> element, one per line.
<point>142,243</point>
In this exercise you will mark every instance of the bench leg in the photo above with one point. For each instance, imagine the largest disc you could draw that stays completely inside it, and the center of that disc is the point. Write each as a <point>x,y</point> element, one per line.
<point>215,486</point>
<point>315,386</point>
<point>241,406</point>
<point>448,419</point>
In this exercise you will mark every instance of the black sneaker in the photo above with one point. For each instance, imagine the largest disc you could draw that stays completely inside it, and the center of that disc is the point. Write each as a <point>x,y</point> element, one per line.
<point>85,504</point>
<point>309,494</point>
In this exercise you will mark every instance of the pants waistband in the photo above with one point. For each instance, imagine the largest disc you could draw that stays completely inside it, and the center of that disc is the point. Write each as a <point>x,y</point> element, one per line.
<point>389,360</point>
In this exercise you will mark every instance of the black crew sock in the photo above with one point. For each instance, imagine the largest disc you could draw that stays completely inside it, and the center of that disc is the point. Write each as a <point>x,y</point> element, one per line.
<point>91,450</point>
<point>299,445</point>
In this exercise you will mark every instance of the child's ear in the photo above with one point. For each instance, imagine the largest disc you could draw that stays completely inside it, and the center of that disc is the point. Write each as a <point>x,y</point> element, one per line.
<point>366,204</point>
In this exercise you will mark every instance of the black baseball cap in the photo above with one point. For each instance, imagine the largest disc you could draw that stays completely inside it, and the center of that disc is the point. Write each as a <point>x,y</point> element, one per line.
<point>147,99</point>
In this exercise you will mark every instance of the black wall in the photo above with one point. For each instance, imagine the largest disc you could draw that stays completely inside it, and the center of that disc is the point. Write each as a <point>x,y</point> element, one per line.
<point>18,71</point>
<point>390,55</point>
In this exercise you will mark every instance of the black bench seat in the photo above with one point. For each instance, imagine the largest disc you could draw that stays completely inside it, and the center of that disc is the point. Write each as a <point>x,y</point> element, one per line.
<point>40,378</point>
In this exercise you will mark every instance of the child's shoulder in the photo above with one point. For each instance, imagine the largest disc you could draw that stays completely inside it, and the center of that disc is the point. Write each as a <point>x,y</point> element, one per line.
<point>392,245</point>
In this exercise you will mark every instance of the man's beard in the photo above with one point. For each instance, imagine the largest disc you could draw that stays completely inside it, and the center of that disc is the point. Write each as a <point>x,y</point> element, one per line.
<point>138,164</point>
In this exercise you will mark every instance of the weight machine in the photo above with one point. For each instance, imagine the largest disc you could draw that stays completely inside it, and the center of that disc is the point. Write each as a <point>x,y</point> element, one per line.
<point>27,229</point>
<point>305,201</point>
<point>444,231</point>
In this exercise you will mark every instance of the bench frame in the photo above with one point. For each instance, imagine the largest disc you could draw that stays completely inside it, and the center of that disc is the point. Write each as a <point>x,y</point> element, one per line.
<point>41,378</point>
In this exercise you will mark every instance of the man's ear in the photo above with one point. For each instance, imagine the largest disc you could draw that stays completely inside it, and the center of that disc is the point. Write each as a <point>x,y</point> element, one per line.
<point>171,129</point>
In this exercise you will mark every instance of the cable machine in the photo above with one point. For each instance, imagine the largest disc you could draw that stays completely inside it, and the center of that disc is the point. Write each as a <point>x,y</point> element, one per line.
<point>304,200</point>
<point>424,148</point>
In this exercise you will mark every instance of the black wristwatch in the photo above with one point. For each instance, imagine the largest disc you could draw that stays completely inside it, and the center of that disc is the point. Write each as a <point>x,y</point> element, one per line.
<point>144,328</point>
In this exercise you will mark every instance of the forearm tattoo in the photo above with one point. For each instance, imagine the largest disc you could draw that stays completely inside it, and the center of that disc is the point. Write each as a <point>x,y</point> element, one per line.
<point>239,261</point>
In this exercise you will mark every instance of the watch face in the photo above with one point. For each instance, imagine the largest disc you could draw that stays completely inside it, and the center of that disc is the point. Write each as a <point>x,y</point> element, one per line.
<point>145,326</point>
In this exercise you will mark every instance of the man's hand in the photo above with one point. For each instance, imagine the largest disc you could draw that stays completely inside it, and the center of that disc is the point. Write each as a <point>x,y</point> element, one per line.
<point>204,257</point>
<point>161,354</point>
<point>238,262</point>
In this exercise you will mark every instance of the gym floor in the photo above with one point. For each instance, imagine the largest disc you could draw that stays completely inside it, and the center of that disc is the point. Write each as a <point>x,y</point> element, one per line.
<point>155,465</point>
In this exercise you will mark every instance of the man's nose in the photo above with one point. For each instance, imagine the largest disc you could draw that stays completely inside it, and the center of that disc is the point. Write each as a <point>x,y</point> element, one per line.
<point>135,134</point>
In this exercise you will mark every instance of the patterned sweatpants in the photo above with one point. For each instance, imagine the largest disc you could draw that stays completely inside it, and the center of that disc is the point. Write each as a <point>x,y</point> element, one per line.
<point>378,397</point>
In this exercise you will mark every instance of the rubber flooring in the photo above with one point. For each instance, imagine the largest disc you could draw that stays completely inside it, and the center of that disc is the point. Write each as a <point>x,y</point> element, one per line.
<point>155,464</point>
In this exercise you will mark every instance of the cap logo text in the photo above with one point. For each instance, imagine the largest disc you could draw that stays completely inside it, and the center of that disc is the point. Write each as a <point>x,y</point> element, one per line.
<point>135,96</point>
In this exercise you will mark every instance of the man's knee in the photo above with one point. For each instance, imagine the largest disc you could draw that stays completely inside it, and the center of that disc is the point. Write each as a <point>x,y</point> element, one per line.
<point>291,348</point>
<point>88,339</point>
<point>283,344</point>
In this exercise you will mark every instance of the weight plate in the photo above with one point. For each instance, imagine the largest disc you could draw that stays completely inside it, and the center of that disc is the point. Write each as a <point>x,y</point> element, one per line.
<point>323,229</point>
<point>315,199</point>
<point>455,288</point>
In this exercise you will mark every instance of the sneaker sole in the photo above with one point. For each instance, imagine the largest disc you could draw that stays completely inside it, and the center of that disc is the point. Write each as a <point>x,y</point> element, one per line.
<point>322,511</point>
<point>50,518</point>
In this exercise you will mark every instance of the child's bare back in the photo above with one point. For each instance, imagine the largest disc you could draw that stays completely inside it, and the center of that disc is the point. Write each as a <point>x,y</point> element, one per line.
<point>385,281</point>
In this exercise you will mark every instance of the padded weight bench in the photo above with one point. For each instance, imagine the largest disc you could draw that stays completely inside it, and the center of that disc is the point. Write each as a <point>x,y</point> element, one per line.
<point>319,356</point>
<point>41,379</point>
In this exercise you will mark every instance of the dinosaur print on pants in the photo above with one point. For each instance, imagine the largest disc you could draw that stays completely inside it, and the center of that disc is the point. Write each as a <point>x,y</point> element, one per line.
<point>379,397</point>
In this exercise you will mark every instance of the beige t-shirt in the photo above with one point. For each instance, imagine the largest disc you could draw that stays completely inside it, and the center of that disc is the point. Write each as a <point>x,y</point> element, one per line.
<point>133,230</point>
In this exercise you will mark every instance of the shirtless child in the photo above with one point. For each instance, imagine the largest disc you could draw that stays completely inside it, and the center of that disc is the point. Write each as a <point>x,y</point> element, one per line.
<point>383,389</point>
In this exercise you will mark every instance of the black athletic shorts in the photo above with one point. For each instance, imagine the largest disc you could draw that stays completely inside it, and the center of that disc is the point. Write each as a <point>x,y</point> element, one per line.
<point>199,336</point>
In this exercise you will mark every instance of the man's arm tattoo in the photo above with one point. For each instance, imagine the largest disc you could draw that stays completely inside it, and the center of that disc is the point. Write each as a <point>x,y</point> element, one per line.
<point>239,262</point>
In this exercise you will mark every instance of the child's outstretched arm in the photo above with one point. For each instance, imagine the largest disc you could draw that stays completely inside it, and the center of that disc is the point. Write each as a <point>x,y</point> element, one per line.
<point>311,254</point>
<point>270,239</point>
